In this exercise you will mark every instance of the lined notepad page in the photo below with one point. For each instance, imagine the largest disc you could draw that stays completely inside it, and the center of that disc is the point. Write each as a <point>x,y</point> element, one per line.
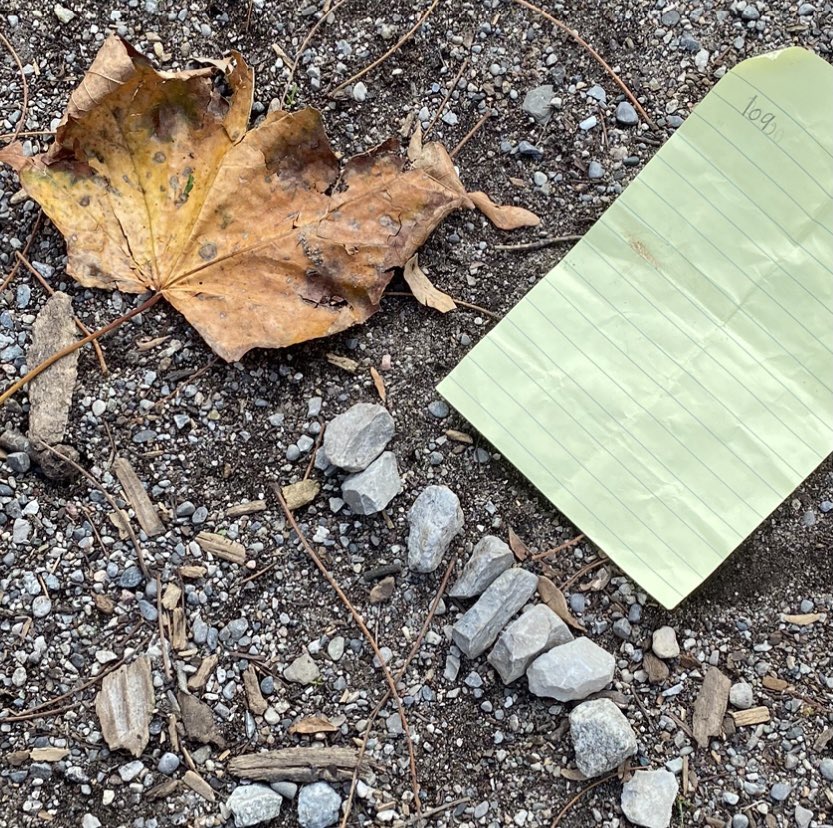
<point>670,382</point>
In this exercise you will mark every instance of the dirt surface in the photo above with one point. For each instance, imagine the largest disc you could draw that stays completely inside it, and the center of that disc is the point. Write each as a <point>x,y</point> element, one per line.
<point>484,742</point>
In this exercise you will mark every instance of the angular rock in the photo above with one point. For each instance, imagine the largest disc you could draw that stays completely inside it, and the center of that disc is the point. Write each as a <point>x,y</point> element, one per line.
<point>303,670</point>
<point>124,706</point>
<point>537,103</point>
<point>602,737</point>
<point>435,518</point>
<point>198,721</point>
<point>490,557</point>
<point>648,798</point>
<point>524,639</point>
<point>479,627</point>
<point>50,394</point>
<point>370,491</point>
<point>354,439</point>
<point>318,806</point>
<point>253,804</point>
<point>572,671</point>
<point>664,643</point>
<point>59,462</point>
<point>626,114</point>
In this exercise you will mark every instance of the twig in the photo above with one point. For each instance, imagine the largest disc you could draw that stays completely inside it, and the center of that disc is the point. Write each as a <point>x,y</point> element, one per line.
<point>189,379</point>
<point>378,709</point>
<point>255,575</point>
<point>438,810</point>
<point>78,323</point>
<point>433,122</point>
<point>365,631</point>
<point>26,132</point>
<point>24,110</point>
<point>16,265</point>
<point>249,14</point>
<point>304,44</point>
<point>460,302</point>
<point>402,40</point>
<point>581,573</point>
<point>163,643</point>
<point>70,694</point>
<point>538,245</point>
<point>560,548</point>
<point>79,343</point>
<point>318,440</point>
<point>140,553</point>
<point>641,705</point>
<point>470,134</point>
<point>593,53</point>
<point>557,821</point>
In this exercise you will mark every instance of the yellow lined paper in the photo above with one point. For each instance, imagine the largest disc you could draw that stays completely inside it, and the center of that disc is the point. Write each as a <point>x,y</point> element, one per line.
<point>670,382</point>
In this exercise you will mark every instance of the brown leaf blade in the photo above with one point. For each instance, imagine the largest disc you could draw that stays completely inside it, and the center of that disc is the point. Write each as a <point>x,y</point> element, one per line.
<point>124,706</point>
<point>518,547</point>
<point>554,598</point>
<point>424,291</point>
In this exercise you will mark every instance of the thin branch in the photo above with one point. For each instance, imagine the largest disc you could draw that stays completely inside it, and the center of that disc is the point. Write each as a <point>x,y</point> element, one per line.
<point>365,631</point>
<point>304,44</point>
<point>26,132</point>
<point>24,110</point>
<point>560,548</point>
<point>460,302</point>
<point>78,323</point>
<point>446,99</point>
<point>79,343</point>
<point>593,53</point>
<point>557,821</point>
<point>410,657</point>
<point>312,454</point>
<point>581,573</point>
<point>538,245</point>
<point>470,134</point>
<point>163,642</point>
<point>16,266</point>
<point>399,43</point>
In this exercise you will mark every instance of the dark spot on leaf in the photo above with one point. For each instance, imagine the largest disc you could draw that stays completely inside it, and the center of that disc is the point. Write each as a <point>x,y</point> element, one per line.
<point>208,251</point>
<point>85,201</point>
<point>159,157</point>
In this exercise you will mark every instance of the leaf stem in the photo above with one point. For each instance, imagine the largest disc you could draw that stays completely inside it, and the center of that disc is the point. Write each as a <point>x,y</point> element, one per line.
<point>39,369</point>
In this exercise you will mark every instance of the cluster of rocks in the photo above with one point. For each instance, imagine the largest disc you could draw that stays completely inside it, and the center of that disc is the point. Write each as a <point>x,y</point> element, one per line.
<point>319,804</point>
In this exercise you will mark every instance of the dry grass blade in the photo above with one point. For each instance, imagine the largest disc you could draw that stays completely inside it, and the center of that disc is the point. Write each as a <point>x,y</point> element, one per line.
<point>563,812</point>
<point>399,43</point>
<point>379,383</point>
<point>432,123</point>
<point>138,498</point>
<point>24,109</point>
<point>560,548</point>
<point>470,134</point>
<point>365,631</point>
<point>593,53</point>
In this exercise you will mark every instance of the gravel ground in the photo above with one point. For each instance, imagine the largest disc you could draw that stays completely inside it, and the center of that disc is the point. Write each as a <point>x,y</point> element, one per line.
<point>204,437</point>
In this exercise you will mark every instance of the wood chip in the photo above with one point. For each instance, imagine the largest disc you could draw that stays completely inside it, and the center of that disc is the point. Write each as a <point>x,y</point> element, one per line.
<point>554,598</point>
<point>173,733</point>
<point>518,547</point>
<point>138,498</point>
<point>257,704</point>
<point>206,668</point>
<point>753,716</point>
<point>246,508</point>
<point>573,774</point>
<point>823,740</point>
<point>150,344</point>
<point>221,547</point>
<point>710,706</point>
<point>192,571</point>
<point>124,706</point>
<point>104,604</point>
<point>802,620</point>
<point>313,724</point>
<point>343,362</point>
<point>299,764</point>
<point>163,789</point>
<point>379,383</point>
<point>179,637</point>
<point>121,520</point>
<point>197,784</point>
<point>383,590</point>
<point>458,436</point>
<point>198,721</point>
<point>48,754</point>
<point>171,596</point>
<point>656,668</point>
<point>300,494</point>
<point>778,685</point>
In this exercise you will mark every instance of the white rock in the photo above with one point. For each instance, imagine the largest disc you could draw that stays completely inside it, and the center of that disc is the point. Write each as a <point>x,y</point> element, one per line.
<point>648,798</point>
<point>435,518</point>
<point>65,15</point>
<point>571,671</point>
<point>664,643</point>
<point>370,491</point>
<point>602,737</point>
<point>524,639</point>
<point>741,695</point>
<point>253,804</point>
<point>359,92</point>
<point>354,439</point>
<point>479,627</point>
<point>490,557</point>
<point>21,530</point>
<point>303,670</point>
<point>318,806</point>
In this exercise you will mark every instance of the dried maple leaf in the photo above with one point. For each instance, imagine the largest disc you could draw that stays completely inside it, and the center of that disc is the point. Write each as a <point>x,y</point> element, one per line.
<point>259,238</point>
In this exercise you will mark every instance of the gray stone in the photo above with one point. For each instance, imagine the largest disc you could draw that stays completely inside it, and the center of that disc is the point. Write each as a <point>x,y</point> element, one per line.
<point>537,103</point>
<point>131,770</point>
<point>318,806</point>
<point>670,17</point>
<point>90,821</point>
<point>335,649</point>
<point>253,804</point>
<point>439,409</point>
<point>131,577</point>
<point>435,518</point>
<point>648,798</point>
<point>595,170</point>
<point>18,462</point>
<point>588,123</point>
<point>303,670</point>
<point>21,529</point>
<point>622,628</point>
<point>780,791</point>
<point>63,14</point>
<point>286,789</point>
<point>602,737</point>
<point>741,695</point>
<point>664,643</point>
<point>597,94</point>
<point>803,816</point>
<point>168,763</point>
<point>740,821</point>
<point>479,627</point>
<point>354,439</point>
<point>359,92</point>
<point>41,606</point>
<point>826,768</point>
<point>529,150</point>
<point>572,671</point>
<point>626,114</point>
<point>750,12</point>
<point>490,557</point>
<point>370,491</point>
<point>538,629</point>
